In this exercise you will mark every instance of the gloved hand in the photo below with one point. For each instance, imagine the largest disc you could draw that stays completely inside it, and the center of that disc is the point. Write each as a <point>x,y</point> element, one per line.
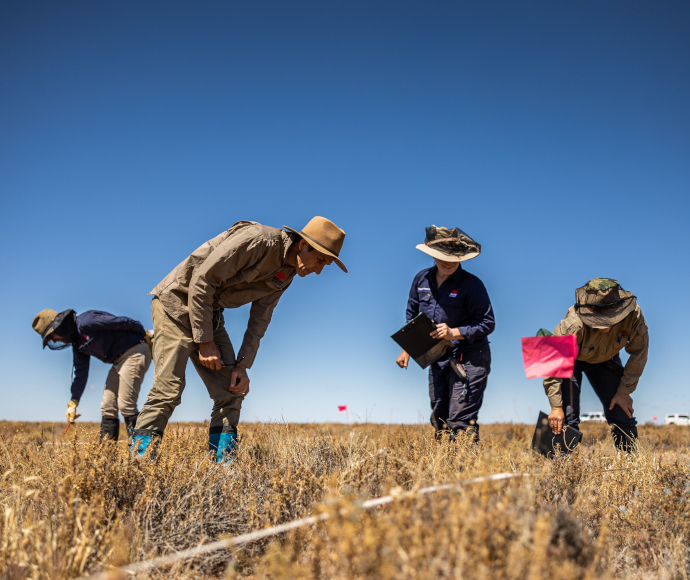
<point>149,338</point>
<point>71,413</point>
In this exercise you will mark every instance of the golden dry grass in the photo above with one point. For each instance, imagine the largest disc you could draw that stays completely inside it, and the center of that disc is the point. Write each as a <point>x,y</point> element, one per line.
<point>73,506</point>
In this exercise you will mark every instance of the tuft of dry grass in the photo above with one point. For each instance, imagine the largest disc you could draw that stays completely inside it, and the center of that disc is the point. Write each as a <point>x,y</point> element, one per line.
<point>74,506</point>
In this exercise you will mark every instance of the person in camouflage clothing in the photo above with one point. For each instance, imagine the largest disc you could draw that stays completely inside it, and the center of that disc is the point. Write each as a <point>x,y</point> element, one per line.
<point>605,319</point>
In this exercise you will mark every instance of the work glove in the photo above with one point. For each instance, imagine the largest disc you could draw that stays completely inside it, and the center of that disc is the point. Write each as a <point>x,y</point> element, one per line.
<point>149,338</point>
<point>71,413</point>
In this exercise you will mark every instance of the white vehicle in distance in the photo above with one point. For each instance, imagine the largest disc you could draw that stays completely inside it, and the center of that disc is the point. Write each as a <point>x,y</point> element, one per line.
<point>677,419</point>
<point>596,417</point>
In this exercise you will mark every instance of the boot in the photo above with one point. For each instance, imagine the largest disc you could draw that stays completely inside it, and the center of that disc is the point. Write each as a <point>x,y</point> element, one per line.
<point>110,428</point>
<point>131,423</point>
<point>142,439</point>
<point>625,439</point>
<point>472,433</point>
<point>221,444</point>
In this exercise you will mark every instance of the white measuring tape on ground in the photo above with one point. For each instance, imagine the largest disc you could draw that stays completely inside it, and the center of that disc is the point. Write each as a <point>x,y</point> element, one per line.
<point>132,569</point>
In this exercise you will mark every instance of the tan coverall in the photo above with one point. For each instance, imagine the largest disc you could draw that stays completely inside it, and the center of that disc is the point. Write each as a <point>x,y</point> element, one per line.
<point>246,264</point>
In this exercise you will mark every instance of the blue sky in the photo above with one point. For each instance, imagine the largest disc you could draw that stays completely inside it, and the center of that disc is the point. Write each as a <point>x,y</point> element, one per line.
<point>557,134</point>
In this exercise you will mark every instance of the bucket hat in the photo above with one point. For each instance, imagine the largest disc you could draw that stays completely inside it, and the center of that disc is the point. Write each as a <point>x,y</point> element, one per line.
<point>449,245</point>
<point>602,302</point>
<point>323,235</point>
<point>47,321</point>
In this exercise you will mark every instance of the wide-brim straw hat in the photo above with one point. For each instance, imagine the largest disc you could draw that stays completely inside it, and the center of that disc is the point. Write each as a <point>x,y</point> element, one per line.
<point>449,245</point>
<point>602,303</point>
<point>47,321</point>
<point>323,235</point>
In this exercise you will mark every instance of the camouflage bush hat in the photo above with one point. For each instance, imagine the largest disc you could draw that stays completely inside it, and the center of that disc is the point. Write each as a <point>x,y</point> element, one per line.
<point>449,245</point>
<point>602,302</point>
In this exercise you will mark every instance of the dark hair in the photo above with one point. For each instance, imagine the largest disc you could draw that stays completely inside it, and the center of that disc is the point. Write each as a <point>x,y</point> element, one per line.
<point>297,239</point>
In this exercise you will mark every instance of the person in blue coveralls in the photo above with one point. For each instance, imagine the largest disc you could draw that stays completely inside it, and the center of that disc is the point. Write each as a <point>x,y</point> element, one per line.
<point>458,303</point>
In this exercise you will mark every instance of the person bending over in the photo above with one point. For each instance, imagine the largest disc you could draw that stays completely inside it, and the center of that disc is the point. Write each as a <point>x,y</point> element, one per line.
<point>115,340</point>
<point>248,264</point>
<point>605,319</point>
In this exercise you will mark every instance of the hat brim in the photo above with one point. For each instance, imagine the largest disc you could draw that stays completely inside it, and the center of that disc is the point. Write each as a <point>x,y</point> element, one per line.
<point>599,317</point>
<point>314,244</point>
<point>434,253</point>
<point>52,327</point>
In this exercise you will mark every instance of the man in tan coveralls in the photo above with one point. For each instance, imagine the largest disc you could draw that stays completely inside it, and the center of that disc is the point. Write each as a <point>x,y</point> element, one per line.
<point>249,263</point>
<point>605,320</point>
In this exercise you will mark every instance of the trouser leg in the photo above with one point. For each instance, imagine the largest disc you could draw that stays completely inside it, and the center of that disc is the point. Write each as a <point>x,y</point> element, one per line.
<point>226,405</point>
<point>131,369</point>
<point>171,351</point>
<point>440,392</point>
<point>570,390</point>
<point>468,395</point>
<point>110,422</point>
<point>110,394</point>
<point>605,382</point>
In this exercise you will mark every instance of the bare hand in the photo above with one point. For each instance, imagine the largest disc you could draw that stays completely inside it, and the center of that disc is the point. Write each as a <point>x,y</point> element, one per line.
<point>209,356</point>
<point>239,381</point>
<point>556,419</point>
<point>444,331</point>
<point>402,360</point>
<point>624,402</point>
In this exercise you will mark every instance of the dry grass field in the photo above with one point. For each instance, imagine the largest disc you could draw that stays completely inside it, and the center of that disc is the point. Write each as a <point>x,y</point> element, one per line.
<point>74,507</point>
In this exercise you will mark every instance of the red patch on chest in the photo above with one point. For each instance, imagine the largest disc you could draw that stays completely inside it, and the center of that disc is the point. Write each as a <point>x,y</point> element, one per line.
<point>281,275</point>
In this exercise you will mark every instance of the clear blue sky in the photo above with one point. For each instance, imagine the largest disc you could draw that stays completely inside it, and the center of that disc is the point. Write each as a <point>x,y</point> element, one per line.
<point>557,134</point>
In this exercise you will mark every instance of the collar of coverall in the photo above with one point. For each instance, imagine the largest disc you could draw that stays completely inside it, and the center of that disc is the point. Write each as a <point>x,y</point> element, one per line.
<point>455,275</point>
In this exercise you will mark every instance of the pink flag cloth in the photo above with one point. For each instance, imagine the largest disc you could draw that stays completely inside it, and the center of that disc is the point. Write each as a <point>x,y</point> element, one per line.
<point>342,408</point>
<point>549,356</point>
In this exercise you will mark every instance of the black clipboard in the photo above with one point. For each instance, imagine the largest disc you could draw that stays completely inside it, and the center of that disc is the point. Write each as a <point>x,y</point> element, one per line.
<point>415,340</point>
<point>546,442</point>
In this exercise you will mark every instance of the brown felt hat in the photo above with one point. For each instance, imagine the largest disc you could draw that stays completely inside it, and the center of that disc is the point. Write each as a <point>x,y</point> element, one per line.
<point>323,235</point>
<point>449,245</point>
<point>43,323</point>
<point>602,303</point>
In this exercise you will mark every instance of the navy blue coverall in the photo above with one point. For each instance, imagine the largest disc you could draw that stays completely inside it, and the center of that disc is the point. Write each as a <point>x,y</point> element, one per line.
<point>461,302</point>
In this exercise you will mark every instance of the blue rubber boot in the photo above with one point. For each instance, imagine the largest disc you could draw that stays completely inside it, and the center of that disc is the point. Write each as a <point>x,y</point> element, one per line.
<point>221,444</point>
<point>142,439</point>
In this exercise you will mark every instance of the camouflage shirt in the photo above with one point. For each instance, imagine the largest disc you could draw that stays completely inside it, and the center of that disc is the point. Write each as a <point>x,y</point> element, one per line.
<point>596,347</point>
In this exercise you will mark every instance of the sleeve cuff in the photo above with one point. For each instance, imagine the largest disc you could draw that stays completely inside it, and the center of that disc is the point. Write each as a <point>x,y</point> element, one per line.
<point>624,389</point>
<point>245,358</point>
<point>466,333</point>
<point>556,401</point>
<point>203,334</point>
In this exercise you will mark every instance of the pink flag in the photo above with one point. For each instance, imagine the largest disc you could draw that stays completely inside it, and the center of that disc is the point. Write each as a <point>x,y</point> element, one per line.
<point>549,356</point>
<point>342,408</point>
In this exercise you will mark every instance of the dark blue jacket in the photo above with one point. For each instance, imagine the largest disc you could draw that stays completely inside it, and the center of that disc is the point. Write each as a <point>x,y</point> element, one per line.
<point>461,302</point>
<point>104,336</point>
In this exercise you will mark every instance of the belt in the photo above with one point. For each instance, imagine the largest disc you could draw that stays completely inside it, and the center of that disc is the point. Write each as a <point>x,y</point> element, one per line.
<point>119,357</point>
